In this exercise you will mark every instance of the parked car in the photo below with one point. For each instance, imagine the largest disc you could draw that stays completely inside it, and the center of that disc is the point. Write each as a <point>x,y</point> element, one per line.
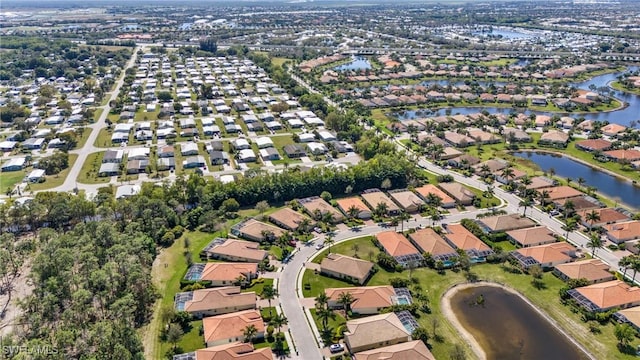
<point>336,348</point>
<point>319,246</point>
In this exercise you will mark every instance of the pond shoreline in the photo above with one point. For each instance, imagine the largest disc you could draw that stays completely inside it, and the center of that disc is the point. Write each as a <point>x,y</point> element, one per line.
<point>449,313</point>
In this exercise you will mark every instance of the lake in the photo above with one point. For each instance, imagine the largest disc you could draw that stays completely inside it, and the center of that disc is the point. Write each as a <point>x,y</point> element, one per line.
<point>610,186</point>
<point>358,63</point>
<point>507,327</point>
<point>505,34</point>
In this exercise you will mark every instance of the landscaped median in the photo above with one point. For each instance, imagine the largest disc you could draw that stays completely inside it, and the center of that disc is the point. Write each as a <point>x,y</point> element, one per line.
<point>597,338</point>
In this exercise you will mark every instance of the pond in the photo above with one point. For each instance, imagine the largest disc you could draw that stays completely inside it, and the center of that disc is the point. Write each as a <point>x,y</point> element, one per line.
<point>507,327</point>
<point>358,63</point>
<point>610,186</point>
<point>505,34</point>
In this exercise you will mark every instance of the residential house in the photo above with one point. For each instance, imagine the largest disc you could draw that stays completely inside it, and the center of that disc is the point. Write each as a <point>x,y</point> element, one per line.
<point>541,182</point>
<point>269,154</point>
<point>345,204</point>
<point>621,232</point>
<point>396,245</point>
<point>109,169</point>
<point>546,256</point>
<point>607,295</point>
<point>166,151</point>
<point>502,223</point>
<point>189,149</point>
<point>36,176</point>
<point>532,236</point>
<point>346,268</point>
<point>413,350</point>
<point>407,200</point>
<point>592,270</point>
<point>218,274</point>
<point>458,192</point>
<point>219,157</point>
<point>612,130</point>
<point>373,197</point>
<point>233,351</point>
<point>113,156</point>
<point>166,163</point>
<point>367,300</point>
<point>263,142</point>
<point>516,135</point>
<point>288,218</point>
<point>459,237</point>
<point>246,155</point>
<point>562,192</point>
<point>593,145</point>
<point>210,302</point>
<point>317,148</point>
<point>606,216</point>
<point>137,166</point>
<point>193,162</point>
<point>623,155</point>
<point>254,230</point>
<point>554,138</point>
<point>234,250</point>
<point>294,151</point>
<point>316,207</point>
<point>427,241</point>
<point>425,190</point>
<point>374,331</point>
<point>483,137</point>
<point>457,139</point>
<point>223,329</point>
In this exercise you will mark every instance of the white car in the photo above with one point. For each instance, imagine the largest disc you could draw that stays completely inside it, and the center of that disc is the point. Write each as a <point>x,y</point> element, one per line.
<point>319,246</point>
<point>336,348</point>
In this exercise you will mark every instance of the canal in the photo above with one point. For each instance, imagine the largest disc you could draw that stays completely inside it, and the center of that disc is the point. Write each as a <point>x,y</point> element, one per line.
<point>610,186</point>
<point>507,327</point>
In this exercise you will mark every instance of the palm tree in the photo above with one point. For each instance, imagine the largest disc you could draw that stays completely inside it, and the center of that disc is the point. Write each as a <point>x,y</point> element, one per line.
<point>434,200</point>
<point>278,320</point>
<point>329,240</point>
<point>543,197</point>
<point>269,293</point>
<point>323,311</point>
<point>346,299</point>
<point>485,170</point>
<point>568,209</point>
<point>381,209</point>
<point>625,263</point>
<point>591,217</point>
<point>525,203</point>
<point>507,174</point>
<point>581,182</point>
<point>250,333</point>
<point>353,212</point>
<point>594,243</point>
<point>304,226</point>
<point>404,216</point>
<point>571,225</point>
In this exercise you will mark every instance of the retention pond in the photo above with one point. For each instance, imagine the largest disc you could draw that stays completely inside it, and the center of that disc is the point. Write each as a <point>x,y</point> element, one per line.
<point>506,327</point>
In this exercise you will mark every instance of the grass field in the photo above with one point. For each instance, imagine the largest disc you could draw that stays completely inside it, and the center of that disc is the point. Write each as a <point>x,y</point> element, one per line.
<point>9,179</point>
<point>89,172</point>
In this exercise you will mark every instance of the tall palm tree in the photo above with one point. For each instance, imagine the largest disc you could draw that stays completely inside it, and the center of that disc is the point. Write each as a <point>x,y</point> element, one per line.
<point>269,293</point>
<point>508,174</point>
<point>278,320</point>
<point>329,240</point>
<point>323,311</point>
<point>594,243</point>
<point>346,299</point>
<point>625,263</point>
<point>543,196</point>
<point>581,181</point>
<point>381,209</point>
<point>304,226</point>
<point>250,333</point>
<point>434,200</point>
<point>568,209</point>
<point>404,216</point>
<point>591,217</point>
<point>353,212</point>
<point>525,203</point>
<point>570,226</point>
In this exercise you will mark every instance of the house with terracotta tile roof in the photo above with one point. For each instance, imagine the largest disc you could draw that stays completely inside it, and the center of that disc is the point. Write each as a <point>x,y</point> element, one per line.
<point>613,129</point>
<point>223,329</point>
<point>593,270</point>
<point>233,351</point>
<point>428,241</point>
<point>373,331</point>
<point>457,191</point>
<point>621,232</point>
<point>541,182</point>
<point>396,245</point>
<point>234,250</point>
<point>346,268</point>
<point>580,203</point>
<point>373,197</point>
<point>407,200</point>
<point>502,223</point>
<point>554,138</point>
<point>620,155</point>
<point>532,236</point>
<point>315,205</point>
<point>367,299</point>
<point>460,238</point>
<point>606,295</point>
<point>209,302</point>
<point>287,218</point>
<point>607,216</point>
<point>424,191</point>
<point>546,256</point>
<point>254,230</point>
<point>222,273</point>
<point>413,350</point>
<point>457,139</point>
<point>345,204</point>
<point>593,145</point>
<point>562,192</point>
<point>630,316</point>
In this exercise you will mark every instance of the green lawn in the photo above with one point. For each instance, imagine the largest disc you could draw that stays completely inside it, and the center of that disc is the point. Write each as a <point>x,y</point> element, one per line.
<point>259,285</point>
<point>89,172</point>
<point>83,139</point>
<point>190,341</point>
<point>364,247</point>
<point>333,324</point>
<point>104,138</point>
<point>618,86</point>
<point>53,181</point>
<point>9,179</point>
